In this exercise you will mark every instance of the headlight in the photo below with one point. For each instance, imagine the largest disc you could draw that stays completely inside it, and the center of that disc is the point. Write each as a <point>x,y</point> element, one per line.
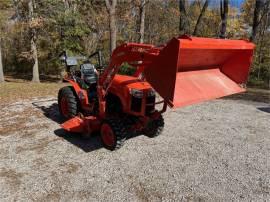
<point>136,93</point>
<point>151,93</point>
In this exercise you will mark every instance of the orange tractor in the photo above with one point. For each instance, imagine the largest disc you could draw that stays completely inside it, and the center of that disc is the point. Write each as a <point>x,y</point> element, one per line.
<point>185,71</point>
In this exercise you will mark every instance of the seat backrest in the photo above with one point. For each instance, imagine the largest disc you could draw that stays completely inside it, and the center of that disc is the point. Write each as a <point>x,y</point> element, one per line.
<point>89,73</point>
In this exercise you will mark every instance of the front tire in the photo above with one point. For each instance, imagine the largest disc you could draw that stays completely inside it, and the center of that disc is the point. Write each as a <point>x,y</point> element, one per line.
<point>113,134</point>
<point>68,102</point>
<point>155,127</point>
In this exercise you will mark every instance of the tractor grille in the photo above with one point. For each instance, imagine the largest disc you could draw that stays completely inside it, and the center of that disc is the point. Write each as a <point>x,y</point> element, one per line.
<point>150,105</point>
<point>136,104</point>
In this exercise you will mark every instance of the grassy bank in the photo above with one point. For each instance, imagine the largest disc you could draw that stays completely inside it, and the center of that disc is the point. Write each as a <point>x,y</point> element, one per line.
<point>13,91</point>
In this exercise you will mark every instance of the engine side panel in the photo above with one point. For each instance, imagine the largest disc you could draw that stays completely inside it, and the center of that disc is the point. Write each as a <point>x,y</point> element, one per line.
<point>121,87</point>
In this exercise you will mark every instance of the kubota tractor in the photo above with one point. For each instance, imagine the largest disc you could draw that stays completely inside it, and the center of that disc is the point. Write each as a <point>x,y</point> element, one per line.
<point>185,71</point>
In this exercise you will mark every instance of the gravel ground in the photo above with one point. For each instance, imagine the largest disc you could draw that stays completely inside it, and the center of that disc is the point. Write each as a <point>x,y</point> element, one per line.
<point>215,151</point>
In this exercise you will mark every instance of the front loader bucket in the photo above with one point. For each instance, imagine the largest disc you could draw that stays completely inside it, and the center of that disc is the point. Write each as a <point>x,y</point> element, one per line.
<point>192,70</point>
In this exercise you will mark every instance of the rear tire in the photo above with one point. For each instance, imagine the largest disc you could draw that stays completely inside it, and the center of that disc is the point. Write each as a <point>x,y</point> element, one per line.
<point>154,128</point>
<point>67,102</point>
<point>113,134</point>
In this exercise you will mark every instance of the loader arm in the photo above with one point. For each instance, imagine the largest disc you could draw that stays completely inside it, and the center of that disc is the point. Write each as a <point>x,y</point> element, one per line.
<point>136,55</point>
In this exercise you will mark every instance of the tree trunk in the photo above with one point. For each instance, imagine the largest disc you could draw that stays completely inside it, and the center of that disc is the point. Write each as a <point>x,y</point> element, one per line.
<point>224,8</point>
<point>35,57</point>
<point>263,29</point>
<point>142,18</point>
<point>66,5</point>
<point>256,19</point>
<point>33,34</point>
<point>2,79</point>
<point>111,4</point>
<point>184,20</point>
<point>17,13</point>
<point>196,29</point>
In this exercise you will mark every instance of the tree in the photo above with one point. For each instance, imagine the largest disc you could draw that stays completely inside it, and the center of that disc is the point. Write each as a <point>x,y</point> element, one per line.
<point>161,21</point>
<point>2,79</point>
<point>110,5</point>
<point>16,8</point>
<point>224,8</point>
<point>260,16</point>
<point>196,29</point>
<point>184,26</point>
<point>4,15</point>
<point>33,38</point>
<point>260,25</point>
<point>66,5</point>
<point>142,23</point>
<point>256,19</point>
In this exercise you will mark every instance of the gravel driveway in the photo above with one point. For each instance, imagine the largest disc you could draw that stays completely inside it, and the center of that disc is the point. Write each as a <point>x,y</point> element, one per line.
<point>214,151</point>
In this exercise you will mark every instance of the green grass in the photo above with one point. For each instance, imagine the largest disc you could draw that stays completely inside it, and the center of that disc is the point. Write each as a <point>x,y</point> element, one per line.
<point>13,91</point>
<point>258,84</point>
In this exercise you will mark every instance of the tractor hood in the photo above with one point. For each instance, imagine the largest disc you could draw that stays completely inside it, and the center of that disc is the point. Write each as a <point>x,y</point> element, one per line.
<point>190,70</point>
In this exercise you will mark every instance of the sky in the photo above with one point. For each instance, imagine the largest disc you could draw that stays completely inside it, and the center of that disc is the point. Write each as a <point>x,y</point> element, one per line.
<point>234,3</point>
<point>237,3</point>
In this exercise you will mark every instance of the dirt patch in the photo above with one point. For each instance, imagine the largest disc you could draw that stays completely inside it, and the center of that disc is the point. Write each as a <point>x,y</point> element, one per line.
<point>144,194</point>
<point>141,193</point>
<point>52,196</point>
<point>39,162</point>
<point>37,147</point>
<point>11,177</point>
<point>20,118</point>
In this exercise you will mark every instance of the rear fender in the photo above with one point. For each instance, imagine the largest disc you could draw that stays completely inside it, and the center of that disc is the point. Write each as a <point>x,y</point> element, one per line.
<point>82,94</point>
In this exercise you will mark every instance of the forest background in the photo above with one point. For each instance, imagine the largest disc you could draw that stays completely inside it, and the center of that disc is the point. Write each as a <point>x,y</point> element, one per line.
<point>34,32</point>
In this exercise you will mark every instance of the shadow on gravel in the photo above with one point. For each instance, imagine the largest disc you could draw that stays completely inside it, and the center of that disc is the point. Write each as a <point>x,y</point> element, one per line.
<point>50,111</point>
<point>87,145</point>
<point>251,95</point>
<point>264,109</point>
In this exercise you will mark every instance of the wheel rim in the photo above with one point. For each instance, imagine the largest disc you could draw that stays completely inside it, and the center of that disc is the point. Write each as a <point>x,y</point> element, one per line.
<point>64,106</point>
<point>107,135</point>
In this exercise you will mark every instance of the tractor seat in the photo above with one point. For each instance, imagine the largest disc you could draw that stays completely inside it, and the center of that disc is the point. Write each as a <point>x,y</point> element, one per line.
<point>89,73</point>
